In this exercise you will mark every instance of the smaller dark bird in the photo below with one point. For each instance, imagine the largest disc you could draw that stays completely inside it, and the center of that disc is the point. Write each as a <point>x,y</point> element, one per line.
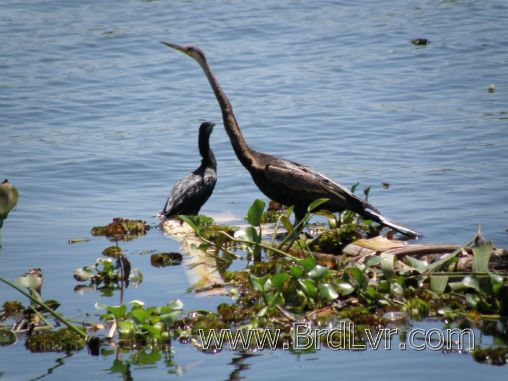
<point>190,193</point>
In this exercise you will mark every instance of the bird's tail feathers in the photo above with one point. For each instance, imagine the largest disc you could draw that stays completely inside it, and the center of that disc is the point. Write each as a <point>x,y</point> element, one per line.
<point>379,218</point>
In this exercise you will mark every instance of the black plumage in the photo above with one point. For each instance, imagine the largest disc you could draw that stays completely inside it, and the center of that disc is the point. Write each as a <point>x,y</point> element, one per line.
<point>190,193</point>
<point>285,181</point>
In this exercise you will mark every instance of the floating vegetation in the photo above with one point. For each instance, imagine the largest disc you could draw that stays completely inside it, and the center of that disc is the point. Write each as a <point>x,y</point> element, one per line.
<point>62,340</point>
<point>112,251</point>
<point>7,337</point>
<point>166,259</point>
<point>122,229</point>
<point>108,275</point>
<point>11,308</point>
<point>337,273</point>
<point>77,240</point>
<point>420,41</point>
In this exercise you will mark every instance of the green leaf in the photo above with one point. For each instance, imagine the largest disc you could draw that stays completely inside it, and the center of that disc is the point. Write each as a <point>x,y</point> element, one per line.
<point>438,283</point>
<point>7,337</point>
<point>472,300</point>
<point>140,314</point>
<point>373,261</point>
<point>287,224</point>
<point>154,330</point>
<point>316,203</point>
<point>319,272</point>
<point>170,317</point>
<point>296,271</point>
<point>273,299</point>
<point>137,303</point>
<point>481,256</point>
<point>307,263</point>
<point>396,288</point>
<point>190,222</point>
<point>83,274</point>
<point>259,283</point>
<point>176,304</point>
<point>251,234</point>
<point>416,264</point>
<point>496,281</point>
<point>327,291</point>
<point>255,212</point>
<point>359,277</point>
<point>387,264</point>
<point>472,282</point>
<point>308,287</point>
<point>279,279</point>
<point>117,311</point>
<point>126,329</point>
<point>345,288</point>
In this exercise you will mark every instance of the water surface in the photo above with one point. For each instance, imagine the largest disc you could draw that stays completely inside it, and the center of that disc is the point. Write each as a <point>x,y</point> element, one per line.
<point>98,120</point>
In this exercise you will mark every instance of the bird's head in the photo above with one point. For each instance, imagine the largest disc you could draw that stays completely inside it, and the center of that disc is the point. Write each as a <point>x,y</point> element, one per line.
<point>190,50</point>
<point>206,128</point>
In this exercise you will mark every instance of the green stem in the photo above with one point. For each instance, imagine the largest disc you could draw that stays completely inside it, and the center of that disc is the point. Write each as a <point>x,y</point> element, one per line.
<point>57,316</point>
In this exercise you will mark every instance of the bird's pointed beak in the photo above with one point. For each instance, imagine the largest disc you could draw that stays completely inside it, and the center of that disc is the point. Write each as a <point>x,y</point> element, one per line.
<point>175,46</point>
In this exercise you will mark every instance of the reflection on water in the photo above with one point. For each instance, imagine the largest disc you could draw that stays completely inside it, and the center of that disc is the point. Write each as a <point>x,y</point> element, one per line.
<point>97,120</point>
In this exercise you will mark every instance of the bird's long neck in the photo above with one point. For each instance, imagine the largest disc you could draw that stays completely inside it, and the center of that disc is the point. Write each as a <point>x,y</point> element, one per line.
<point>242,150</point>
<point>205,151</point>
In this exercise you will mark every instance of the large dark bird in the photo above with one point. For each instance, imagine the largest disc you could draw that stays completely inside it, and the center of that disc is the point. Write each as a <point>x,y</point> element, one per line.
<point>190,193</point>
<point>285,181</point>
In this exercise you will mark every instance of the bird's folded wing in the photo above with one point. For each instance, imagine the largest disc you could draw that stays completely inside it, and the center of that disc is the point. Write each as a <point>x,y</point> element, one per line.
<point>302,178</point>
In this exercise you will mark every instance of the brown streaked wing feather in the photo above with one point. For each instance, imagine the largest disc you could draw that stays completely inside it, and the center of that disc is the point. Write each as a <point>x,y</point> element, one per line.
<point>303,178</point>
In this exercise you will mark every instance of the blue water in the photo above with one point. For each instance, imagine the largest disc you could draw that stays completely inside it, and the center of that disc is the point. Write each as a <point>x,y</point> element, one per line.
<point>98,120</point>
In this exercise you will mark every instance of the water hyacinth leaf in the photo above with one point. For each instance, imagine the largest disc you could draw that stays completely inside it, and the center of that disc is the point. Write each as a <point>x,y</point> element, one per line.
<point>496,281</point>
<point>126,329</point>
<point>287,224</point>
<point>137,303</point>
<point>83,274</point>
<point>316,203</point>
<point>345,288</point>
<point>359,277</point>
<point>7,337</point>
<point>176,304</point>
<point>154,330</point>
<point>140,314</point>
<point>457,286</point>
<point>396,288</point>
<point>296,271</point>
<point>255,212</point>
<point>251,234</point>
<point>387,264</point>
<point>117,311</point>
<point>308,263</point>
<point>260,283</point>
<point>444,259</point>
<point>438,283</point>
<point>472,300</point>
<point>279,279</point>
<point>100,306</point>
<point>481,256</point>
<point>472,282</point>
<point>416,264</point>
<point>371,293</point>
<point>190,222</point>
<point>319,272</point>
<point>327,291</point>
<point>373,261</point>
<point>308,287</point>
<point>273,299</point>
<point>170,317</point>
